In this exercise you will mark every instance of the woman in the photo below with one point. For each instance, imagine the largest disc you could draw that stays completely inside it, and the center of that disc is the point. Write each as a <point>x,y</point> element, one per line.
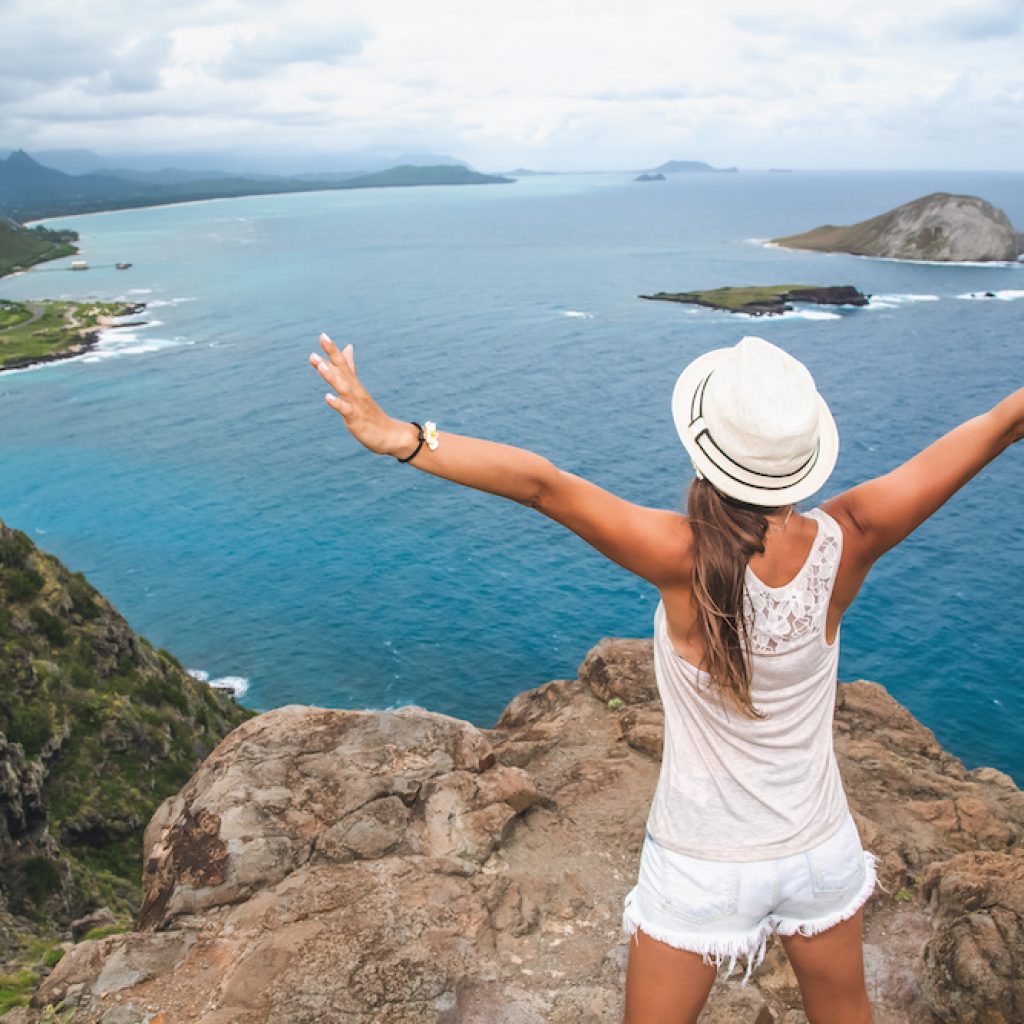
<point>749,831</point>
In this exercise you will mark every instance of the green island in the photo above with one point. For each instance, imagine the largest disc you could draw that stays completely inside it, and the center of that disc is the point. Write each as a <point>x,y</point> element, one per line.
<point>39,332</point>
<point>766,300</point>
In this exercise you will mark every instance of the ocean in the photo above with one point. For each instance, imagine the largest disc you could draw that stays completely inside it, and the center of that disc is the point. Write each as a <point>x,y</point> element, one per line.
<point>191,469</point>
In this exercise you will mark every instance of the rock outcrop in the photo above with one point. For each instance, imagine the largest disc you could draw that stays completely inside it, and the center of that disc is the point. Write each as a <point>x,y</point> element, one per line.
<point>940,226</point>
<point>404,867</point>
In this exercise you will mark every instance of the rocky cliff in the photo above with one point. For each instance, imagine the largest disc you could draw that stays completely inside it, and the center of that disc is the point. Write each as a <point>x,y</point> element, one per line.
<point>939,227</point>
<point>404,867</point>
<point>96,729</point>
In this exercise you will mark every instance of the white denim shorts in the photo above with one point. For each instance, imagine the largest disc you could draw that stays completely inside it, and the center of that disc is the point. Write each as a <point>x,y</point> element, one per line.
<point>730,908</point>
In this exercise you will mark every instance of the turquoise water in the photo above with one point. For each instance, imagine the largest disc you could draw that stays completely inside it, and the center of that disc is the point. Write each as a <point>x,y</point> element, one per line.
<point>192,470</point>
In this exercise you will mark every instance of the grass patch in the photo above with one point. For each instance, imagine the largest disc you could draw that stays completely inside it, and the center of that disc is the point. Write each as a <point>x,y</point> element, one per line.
<point>16,989</point>
<point>104,930</point>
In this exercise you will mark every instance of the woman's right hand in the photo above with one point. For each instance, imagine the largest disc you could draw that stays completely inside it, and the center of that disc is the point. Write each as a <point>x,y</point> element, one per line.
<point>368,423</point>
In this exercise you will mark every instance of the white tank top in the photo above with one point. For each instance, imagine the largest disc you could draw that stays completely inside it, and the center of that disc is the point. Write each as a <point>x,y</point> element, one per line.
<point>740,789</point>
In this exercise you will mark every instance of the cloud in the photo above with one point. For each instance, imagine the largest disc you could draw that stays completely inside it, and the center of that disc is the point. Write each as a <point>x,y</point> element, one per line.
<point>136,67</point>
<point>977,21</point>
<point>259,54</point>
<point>570,83</point>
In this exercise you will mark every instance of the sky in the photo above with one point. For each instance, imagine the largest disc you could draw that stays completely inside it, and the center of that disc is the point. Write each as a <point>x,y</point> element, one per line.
<point>547,84</point>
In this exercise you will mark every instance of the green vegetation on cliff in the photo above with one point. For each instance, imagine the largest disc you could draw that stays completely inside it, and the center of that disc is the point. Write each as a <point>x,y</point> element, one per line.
<point>97,728</point>
<point>22,247</point>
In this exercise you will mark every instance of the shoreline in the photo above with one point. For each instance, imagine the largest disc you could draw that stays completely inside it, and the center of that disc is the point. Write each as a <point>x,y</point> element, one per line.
<point>255,195</point>
<point>88,339</point>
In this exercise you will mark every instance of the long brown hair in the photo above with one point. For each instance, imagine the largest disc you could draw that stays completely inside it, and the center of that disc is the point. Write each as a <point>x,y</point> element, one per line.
<point>725,534</point>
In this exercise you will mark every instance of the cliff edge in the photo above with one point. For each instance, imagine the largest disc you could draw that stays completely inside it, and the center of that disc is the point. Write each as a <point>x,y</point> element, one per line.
<point>940,226</point>
<point>405,867</point>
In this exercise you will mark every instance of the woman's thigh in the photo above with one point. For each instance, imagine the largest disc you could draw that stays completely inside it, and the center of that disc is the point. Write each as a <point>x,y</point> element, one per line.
<point>665,985</point>
<point>829,968</point>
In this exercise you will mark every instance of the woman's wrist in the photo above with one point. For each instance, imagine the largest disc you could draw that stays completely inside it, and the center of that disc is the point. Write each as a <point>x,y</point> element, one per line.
<point>403,438</point>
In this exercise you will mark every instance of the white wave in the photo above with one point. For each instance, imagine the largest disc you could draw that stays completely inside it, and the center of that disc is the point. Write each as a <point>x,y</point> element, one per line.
<point>891,301</point>
<point>239,684</point>
<point>140,291</point>
<point>806,314</point>
<point>1004,294</point>
<point>897,259</point>
<point>157,303</point>
<point>578,314</point>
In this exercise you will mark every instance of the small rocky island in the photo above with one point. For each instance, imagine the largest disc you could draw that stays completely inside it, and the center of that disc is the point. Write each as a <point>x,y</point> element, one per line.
<point>766,300</point>
<point>650,177</point>
<point>940,227</point>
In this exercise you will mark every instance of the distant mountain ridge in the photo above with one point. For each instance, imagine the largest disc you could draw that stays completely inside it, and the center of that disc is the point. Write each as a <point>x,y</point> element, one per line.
<point>690,167</point>
<point>30,191</point>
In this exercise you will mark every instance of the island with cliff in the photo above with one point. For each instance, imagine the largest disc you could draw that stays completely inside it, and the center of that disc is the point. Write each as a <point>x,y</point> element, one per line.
<point>169,856</point>
<point>940,227</point>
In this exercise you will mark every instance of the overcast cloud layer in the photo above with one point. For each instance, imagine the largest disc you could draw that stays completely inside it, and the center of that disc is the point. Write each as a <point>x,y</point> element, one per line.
<point>537,83</point>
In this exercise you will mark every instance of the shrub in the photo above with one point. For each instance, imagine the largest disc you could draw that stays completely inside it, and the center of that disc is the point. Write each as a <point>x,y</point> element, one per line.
<point>82,596</point>
<point>22,584</point>
<point>14,550</point>
<point>49,625</point>
<point>41,878</point>
<point>30,726</point>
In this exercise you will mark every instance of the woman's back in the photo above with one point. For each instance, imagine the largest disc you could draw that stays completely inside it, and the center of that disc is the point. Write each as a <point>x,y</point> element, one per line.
<point>734,787</point>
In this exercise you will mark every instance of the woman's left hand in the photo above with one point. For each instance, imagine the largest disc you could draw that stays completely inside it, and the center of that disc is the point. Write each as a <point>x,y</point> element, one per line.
<point>368,423</point>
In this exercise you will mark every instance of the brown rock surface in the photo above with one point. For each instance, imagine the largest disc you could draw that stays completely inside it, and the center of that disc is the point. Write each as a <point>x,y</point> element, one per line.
<point>404,867</point>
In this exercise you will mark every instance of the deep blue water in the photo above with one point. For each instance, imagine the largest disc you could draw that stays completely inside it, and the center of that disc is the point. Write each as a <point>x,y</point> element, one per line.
<point>192,470</point>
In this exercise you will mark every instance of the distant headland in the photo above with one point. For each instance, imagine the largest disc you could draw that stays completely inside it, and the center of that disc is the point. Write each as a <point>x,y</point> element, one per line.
<point>939,227</point>
<point>31,191</point>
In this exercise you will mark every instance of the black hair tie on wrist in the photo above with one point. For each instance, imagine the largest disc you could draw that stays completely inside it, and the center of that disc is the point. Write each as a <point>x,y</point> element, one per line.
<point>418,447</point>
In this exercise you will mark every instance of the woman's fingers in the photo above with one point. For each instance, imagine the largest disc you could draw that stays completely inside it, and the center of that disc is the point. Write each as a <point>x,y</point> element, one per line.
<point>329,372</point>
<point>345,408</point>
<point>339,357</point>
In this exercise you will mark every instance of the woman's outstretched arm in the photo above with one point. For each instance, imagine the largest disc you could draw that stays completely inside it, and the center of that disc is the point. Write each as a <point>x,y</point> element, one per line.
<point>649,542</point>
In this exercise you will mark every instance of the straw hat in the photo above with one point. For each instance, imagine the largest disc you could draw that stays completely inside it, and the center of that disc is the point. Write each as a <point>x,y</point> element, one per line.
<point>754,425</point>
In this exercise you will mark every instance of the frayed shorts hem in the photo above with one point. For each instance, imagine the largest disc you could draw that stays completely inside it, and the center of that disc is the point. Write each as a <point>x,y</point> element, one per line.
<point>713,948</point>
<point>792,926</point>
<point>752,944</point>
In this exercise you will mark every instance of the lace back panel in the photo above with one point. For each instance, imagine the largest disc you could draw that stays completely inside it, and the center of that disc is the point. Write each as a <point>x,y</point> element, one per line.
<point>780,618</point>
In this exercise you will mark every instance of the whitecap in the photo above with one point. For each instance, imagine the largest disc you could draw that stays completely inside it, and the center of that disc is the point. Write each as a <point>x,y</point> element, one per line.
<point>157,303</point>
<point>578,314</point>
<point>140,291</point>
<point>807,314</point>
<point>238,684</point>
<point>1004,294</point>
<point>898,259</point>
<point>898,297</point>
